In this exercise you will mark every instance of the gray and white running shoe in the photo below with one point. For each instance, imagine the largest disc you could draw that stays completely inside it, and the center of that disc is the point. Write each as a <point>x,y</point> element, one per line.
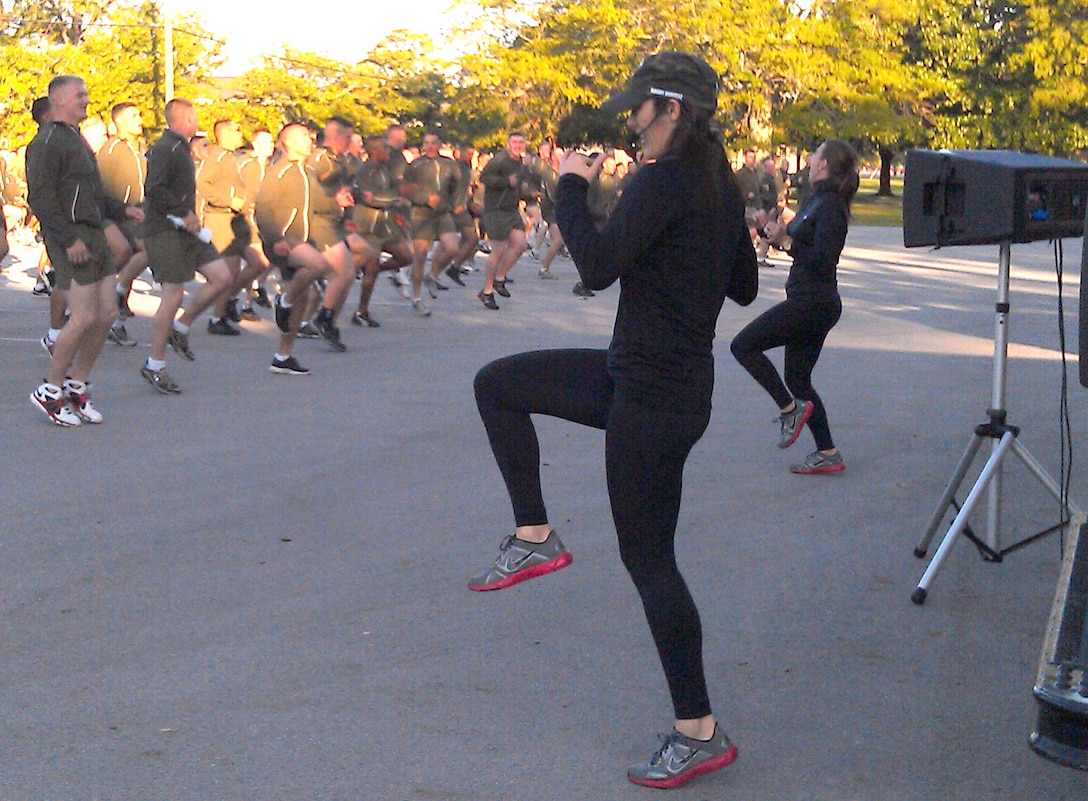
<point>792,423</point>
<point>519,560</point>
<point>680,759</point>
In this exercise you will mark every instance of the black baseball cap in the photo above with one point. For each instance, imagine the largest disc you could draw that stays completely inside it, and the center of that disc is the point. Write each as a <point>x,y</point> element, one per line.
<point>671,74</point>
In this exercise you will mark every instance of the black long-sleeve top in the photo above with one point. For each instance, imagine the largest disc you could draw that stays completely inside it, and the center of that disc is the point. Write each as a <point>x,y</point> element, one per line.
<point>819,235</point>
<point>63,184</point>
<point>673,254</point>
<point>170,188</point>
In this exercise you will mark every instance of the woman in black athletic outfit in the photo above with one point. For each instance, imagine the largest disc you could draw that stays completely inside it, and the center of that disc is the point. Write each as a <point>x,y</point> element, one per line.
<point>812,305</point>
<point>673,241</point>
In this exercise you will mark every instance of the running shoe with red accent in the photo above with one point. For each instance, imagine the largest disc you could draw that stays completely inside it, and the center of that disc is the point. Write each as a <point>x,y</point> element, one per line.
<point>820,462</point>
<point>77,394</point>
<point>792,423</point>
<point>519,561</point>
<point>680,759</point>
<point>50,399</point>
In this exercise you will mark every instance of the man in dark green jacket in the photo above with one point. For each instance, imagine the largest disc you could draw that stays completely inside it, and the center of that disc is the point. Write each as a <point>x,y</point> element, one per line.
<point>507,180</point>
<point>65,192</point>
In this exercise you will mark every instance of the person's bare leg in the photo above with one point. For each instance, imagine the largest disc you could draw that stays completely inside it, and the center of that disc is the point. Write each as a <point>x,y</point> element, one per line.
<point>515,246</point>
<point>444,255</point>
<point>469,240</point>
<point>419,258</point>
<point>553,250</point>
<point>498,249</point>
<point>104,304</point>
<point>83,305</point>
<point>218,280</point>
<point>255,266</point>
<point>170,299</point>
<point>58,305</point>
<point>234,267</point>
<point>340,277</point>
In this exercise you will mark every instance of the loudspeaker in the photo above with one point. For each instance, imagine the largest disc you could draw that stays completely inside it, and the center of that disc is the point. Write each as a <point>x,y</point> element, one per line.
<point>1083,330</point>
<point>979,197</point>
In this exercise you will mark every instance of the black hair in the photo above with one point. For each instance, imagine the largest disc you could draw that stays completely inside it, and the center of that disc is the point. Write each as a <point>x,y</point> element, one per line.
<point>40,109</point>
<point>842,168</point>
<point>699,146</point>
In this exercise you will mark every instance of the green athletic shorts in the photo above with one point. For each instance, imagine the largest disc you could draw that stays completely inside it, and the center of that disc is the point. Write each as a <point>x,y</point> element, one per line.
<point>174,256</point>
<point>499,224</point>
<point>99,266</point>
<point>428,225</point>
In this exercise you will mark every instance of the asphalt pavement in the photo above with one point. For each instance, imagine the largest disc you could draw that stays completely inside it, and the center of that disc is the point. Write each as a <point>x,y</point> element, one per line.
<point>256,589</point>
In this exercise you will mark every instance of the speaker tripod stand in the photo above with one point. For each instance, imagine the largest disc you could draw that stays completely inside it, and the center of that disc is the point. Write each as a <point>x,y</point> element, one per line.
<point>1005,440</point>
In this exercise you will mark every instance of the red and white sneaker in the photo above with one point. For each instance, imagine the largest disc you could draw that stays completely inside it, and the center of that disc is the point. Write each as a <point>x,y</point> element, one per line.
<point>50,399</point>
<point>76,394</point>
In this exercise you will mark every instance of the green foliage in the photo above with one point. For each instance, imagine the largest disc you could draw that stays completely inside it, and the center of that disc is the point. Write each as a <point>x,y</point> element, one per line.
<point>128,39</point>
<point>887,76</point>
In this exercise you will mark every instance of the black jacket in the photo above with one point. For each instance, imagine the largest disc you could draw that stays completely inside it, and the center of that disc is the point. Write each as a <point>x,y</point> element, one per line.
<point>63,184</point>
<point>819,235</point>
<point>171,183</point>
<point>673,255</point>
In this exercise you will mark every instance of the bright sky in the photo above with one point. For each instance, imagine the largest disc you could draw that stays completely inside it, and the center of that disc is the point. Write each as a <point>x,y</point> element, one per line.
<point>344,32</point>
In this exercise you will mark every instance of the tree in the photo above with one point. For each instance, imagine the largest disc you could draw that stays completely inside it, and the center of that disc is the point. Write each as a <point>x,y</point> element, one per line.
<point>860,84</point>
<point>549,58</point>
<point>1017,75</point>
<point>128,39</point>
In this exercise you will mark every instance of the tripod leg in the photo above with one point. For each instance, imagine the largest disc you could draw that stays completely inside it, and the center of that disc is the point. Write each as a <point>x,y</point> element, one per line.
<point>993,464</point>
<point>1044,478</point>
<point>949,494</point>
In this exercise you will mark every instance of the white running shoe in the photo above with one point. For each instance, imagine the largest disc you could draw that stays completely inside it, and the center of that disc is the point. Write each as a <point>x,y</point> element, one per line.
<point>50,399</point>
<point>421,307</point>
<point>79,401</point>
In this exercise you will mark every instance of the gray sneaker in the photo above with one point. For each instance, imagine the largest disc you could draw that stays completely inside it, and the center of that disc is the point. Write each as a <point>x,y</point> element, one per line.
<point>793,422</point>
<point>519,560</point>
<point>119,336</point>
<point>160,380</point>
<point>180,343</point>
<point>680,759</point>
<point>820,462</point>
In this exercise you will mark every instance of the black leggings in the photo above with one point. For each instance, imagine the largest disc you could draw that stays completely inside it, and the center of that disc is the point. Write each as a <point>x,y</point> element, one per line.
<point>645,451</point>
<point>801,326</point>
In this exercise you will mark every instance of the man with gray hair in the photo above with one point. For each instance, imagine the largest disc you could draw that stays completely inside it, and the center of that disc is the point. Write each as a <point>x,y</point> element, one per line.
<point>65,192</point>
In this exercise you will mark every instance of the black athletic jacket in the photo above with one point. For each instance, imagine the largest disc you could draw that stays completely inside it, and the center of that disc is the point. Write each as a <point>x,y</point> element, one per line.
<point>63,184</point>
<point>819,235</point>
<point>171,183</point>
<point>673,256</point>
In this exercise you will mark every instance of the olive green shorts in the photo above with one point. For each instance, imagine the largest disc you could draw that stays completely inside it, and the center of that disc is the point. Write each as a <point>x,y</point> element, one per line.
<point>499,224</point>
<point>99,266</point>
<point>174,256</point>
<point>428,225</point>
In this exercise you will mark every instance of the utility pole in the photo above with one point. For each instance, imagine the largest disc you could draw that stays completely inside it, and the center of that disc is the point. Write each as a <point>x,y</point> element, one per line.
<point>168,46</point>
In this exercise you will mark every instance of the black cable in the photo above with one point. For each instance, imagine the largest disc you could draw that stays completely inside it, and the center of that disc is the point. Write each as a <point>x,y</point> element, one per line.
<point>1065,476</point>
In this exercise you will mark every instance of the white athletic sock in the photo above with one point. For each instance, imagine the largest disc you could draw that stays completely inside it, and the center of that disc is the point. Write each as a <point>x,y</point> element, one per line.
<point>155,364</point>
<point>53,334</point>
<point>180,326</point>
<point>281,358</point>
